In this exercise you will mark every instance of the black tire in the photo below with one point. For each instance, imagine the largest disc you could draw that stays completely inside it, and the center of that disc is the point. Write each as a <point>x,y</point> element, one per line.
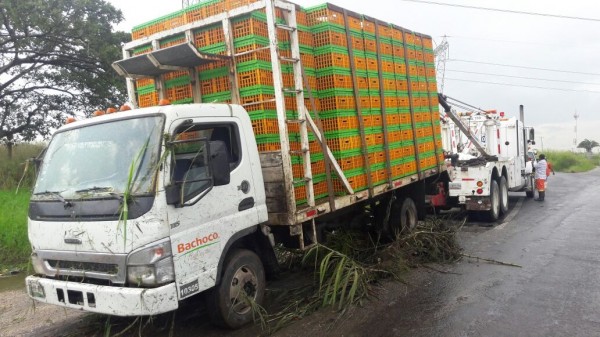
<point>530,194</point>
<point>503,185</point>
<point>402,218</point>
<point>242,271</point>
<point>494,213</point>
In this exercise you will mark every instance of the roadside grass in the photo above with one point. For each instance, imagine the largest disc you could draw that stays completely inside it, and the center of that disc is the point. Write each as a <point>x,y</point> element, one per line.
<point>570,162</point>
<point>11,170</point>
<point>14,245</point>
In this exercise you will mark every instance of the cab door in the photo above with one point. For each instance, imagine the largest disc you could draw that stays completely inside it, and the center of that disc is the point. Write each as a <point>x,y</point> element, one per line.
<point>209,214</point>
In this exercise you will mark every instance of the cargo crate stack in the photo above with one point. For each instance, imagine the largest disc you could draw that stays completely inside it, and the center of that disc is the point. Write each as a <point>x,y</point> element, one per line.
<point>372,89</point>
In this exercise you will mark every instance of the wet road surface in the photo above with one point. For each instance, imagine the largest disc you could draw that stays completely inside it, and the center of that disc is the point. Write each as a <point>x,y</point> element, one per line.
<point>555,292</point>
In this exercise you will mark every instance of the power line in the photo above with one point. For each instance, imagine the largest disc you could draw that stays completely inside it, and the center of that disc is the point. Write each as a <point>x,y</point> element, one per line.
<point>520,85</point>
<point>521,77</point>
<point>525,67</point>
<point>506,10</point>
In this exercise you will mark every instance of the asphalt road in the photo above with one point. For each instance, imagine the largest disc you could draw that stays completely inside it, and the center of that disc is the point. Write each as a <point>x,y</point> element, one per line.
<point>554,292</point>
<point>554,289</point>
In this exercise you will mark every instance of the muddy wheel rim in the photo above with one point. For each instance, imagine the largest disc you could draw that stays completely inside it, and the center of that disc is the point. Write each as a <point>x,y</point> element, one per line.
<point>243,290</point>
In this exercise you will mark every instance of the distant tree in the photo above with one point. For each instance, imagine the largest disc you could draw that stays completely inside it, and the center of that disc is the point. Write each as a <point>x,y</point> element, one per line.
<point>55,58</point>
<point>588,145</point>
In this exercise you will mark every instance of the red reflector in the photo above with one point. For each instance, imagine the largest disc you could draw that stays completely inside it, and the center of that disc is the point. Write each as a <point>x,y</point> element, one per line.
<point>480,191</point>
<point>397,183</point>
<point>312,213</point>
<point>468,179</point>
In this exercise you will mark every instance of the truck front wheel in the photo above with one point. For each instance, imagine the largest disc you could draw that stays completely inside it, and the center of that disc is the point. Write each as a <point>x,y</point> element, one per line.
<point>230,303</point>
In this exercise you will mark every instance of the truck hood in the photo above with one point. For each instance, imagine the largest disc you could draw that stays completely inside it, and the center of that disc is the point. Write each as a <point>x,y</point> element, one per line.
<point>112,237</point>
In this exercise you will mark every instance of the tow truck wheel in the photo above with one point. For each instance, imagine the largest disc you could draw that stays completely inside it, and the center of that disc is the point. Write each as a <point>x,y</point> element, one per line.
<point>530,194</point>
<point>494,213</point>
<point>503,185</point>
<point>242,285</point>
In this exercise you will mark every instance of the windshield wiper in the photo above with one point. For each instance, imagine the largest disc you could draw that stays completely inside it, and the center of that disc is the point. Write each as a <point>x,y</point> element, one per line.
<point>57,195</point>
<point>94,189</point>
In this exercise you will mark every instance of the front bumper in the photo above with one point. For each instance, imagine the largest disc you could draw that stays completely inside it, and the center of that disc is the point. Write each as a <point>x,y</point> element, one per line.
<point>109,300</point>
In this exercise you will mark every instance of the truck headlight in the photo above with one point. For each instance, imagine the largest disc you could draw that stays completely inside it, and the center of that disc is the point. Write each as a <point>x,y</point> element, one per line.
<point>151,266</point>
<point>37,263</point>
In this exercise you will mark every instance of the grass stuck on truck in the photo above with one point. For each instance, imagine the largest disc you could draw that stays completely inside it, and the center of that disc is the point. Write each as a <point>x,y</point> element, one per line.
<point>283,121</point>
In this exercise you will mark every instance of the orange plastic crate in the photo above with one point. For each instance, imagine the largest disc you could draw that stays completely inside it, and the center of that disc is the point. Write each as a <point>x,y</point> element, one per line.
<point>427,42</point>
<point>405,119</point>
<point>351,163</point>
<point>179,92</point>
<point>314,146</point>
<point>142,82</point>
<point>357,43</point>
<point>172,43</point>
<point>412,54</point>
<point>403,102</point>
<point>424,101</point>
<point>320,188</point>
<point>370,45</point>
<point>345,143</point>
<point>372,64</point>
<point>357,182</point>
<point>257,55</point>
<point>386,49</point>
<point>407,134</point>
<point>147,100</point>
<point>398,170</point>
<point>416,102</point>
<point>399,68</point>
<point>354,23</point>
<point>374,139</point>
<point>336,103</point>
<point>232,4</point>
<point>419,55</point>
<point>428,57</point>
<point>368,26</point>
<point>386,31</point>
<point>412,70</point>
<point>410,167</point>
<point>397,34</point>
<point>256,99</point>
<point>339,123</point>
<point>378,176</point>
<point>391,102</point>
<point>140,33</point>
<point>398,50</point>
<point>262,106</point>
<point>301,17</point>
<point>213,9</point>
<point>389,83</point>
<point>215,85</point>
<point>375,121</point>
<point>176,21</point>
<point>265,126</point>
<point>255,77</point>
<point>376,157</point>
<point>174,75</point>
<point>409,38</point>
<point>429,72</point>
<point>251,26</point>
<point>306,38</point>
<point>421,71</point>
<point>209,36</point>
<point>332,60</point>
<point>360,63</point>
<point>325,15</point>
<point>414,86</point>
<point>402,85</point>
<point>300,192</point>
<point>269,147</point>
<point>392,118</point>
<point>330,37</point>
<point>432,87</point>
<point>394,136</point>
<point>418,41</point>
<point>362,82</point>
<point>334,81</point>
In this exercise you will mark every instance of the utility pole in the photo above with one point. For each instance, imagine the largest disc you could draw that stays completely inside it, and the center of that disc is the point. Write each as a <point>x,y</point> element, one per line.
<point>441,53</point>
<point>576,116</point>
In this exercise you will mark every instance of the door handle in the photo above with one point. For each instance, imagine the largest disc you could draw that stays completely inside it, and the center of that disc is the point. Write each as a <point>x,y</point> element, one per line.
<point>246,204</point>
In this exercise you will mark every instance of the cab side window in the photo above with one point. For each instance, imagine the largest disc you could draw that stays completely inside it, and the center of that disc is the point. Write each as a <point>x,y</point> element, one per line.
<point>191,155</point>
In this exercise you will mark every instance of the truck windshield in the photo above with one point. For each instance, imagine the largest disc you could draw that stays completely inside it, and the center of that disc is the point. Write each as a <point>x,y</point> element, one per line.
<point>101,160</point>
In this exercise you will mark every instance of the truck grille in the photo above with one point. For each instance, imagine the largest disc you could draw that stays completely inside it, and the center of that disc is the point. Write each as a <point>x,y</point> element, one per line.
<point>84,266</point>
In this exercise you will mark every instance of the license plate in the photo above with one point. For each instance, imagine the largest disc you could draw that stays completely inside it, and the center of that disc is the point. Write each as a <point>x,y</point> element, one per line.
<point>36,289</point>
<point>455,186</point>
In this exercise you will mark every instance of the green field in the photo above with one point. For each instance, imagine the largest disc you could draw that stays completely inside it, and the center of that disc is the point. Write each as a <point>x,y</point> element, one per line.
<point>569,162</point>
<point>14,246</point>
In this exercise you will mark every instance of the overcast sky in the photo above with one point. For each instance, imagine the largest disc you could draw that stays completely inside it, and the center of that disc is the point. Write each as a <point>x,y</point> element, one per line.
<point>570,47</point>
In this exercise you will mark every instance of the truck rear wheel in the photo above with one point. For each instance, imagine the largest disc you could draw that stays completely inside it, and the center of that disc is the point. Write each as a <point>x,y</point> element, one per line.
<point>405,216</point>
<point>494,213</point>
<point>243,282</point>
<point>503,185</point>
<point>531,193</point>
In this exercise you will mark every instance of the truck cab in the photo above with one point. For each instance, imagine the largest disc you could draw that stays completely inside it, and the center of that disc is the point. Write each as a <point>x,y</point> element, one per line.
<point>134,211</point>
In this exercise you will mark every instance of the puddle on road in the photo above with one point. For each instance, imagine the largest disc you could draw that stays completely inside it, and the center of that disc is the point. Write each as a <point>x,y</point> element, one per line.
<point>15,282</point>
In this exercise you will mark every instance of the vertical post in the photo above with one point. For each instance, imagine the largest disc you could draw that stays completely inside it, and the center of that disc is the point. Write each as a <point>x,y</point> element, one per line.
<point>288,176</point>
<point>159,83</point>
<point>129,83</point>
<point>194,76</point>
<point>233,76</point>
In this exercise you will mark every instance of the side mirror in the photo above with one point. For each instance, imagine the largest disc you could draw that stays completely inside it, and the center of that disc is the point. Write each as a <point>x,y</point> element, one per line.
<point>173,193</point>
<point>219,163</point>
<point>531,134</point>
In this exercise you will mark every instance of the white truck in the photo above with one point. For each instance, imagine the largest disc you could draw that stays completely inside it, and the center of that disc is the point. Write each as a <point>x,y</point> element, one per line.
<point>135,211</point>
<point>488,156</point>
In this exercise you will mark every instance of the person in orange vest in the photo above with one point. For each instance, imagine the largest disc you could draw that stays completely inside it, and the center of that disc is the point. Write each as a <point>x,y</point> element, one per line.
<point>542,171</point>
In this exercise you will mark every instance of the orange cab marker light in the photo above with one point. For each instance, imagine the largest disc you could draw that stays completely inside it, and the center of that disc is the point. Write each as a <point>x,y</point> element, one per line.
<point>164,101</point>
<point>98,113</point>
<point>70,120</point>
<point>111,110</point>
<point>124,107</point>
